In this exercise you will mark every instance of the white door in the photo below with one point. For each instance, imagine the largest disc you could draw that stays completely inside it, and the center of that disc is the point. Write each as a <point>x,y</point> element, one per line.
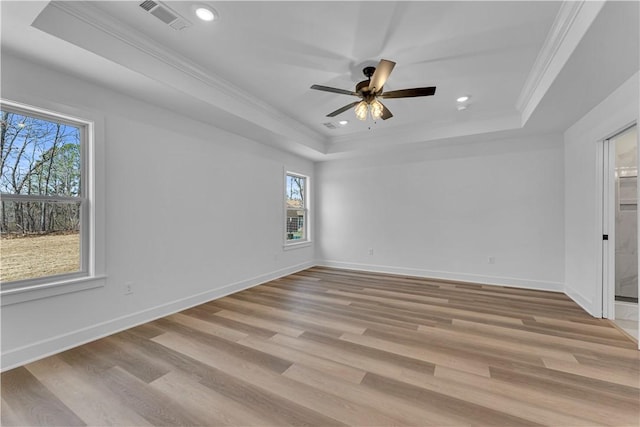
<point>620,226</point>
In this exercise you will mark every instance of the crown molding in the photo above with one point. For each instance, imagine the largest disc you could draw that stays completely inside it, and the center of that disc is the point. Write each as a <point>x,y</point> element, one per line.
<point>571,24</point>
<point>561,25</point>
<point>93,16</point>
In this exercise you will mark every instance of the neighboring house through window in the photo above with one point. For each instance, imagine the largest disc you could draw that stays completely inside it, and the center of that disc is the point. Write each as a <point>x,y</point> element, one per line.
<point>297,208</point>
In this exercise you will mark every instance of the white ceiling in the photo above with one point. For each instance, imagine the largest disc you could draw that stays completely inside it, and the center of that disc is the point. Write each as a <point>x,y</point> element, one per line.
<point>250,72</point>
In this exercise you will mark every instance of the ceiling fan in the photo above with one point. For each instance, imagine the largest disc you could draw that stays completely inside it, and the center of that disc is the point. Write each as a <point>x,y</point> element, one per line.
<point>370,90</point>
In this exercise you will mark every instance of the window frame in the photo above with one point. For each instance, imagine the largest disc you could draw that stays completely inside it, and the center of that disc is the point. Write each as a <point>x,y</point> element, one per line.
<point>84,277</point>
<point>296,243</point>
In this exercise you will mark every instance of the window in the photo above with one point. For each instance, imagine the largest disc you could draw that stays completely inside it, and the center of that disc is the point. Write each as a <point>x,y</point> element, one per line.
<point>44,212</point>
<point>297,208</point>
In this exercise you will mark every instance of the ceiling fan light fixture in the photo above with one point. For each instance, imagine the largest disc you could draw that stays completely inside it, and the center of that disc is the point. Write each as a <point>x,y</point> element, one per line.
<point>205,13</point>
<point>369,90</point>
<point>376,109</point>
<point>361,110</point>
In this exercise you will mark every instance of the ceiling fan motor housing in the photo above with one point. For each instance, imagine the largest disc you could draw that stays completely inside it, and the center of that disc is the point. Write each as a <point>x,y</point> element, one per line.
<point>363,87</point>
<point>368,71</point>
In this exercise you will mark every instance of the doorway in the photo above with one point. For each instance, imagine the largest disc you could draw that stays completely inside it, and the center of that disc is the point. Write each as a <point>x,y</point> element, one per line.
<point>620,230</point>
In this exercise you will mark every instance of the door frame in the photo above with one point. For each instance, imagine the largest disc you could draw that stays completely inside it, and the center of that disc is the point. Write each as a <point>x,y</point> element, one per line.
<point>605,171</point>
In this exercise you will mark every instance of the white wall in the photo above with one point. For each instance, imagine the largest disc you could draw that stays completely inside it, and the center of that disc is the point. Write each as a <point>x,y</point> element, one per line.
<point>157,163</point>
<point>437,211</point>
<point>582,204</point>
<point>443,210</point>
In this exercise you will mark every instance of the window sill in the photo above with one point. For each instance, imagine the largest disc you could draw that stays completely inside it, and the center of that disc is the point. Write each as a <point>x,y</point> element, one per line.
<point>46,290</point>
<point>297,245</point>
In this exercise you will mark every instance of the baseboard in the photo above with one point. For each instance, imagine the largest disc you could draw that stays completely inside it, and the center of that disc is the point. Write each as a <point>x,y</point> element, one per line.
<point>626,310</point>
<point>32,352</point>
<point>586,304</point>
<point>446,275</point>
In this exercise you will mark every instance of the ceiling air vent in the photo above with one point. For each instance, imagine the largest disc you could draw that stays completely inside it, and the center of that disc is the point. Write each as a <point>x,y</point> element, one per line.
<point>165,14</point>
<point>330,125</point>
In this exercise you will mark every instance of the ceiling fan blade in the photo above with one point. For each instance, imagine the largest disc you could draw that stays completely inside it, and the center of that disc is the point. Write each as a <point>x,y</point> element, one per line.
<point>334,90</point>
<point>343,109</point>
<point>409,93</point>
<point>386,114</point>
<point>381,75</point>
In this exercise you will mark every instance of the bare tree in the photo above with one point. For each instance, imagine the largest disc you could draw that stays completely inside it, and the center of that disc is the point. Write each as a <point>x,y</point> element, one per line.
<point>296,189</point>
<point>39,157</point>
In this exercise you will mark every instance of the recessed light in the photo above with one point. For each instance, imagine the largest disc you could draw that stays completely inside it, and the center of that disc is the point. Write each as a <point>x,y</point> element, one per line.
<point>343,122</point>
<point>463,99</point>
<point>205,13</point>
<point>462,107</point>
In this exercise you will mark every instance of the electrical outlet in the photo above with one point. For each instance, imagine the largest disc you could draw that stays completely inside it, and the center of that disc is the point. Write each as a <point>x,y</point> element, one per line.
<point>370,251</point>
<point>128,288</point>
<point>491,260</point>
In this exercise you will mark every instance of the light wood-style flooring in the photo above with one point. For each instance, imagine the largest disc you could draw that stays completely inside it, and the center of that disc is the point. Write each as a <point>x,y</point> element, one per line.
<point>333,347</point>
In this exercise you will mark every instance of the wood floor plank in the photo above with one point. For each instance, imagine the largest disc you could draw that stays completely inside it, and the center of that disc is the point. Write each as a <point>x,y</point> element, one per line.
<point>543,380</point>
<point>274,326</point>
<point>432,308</point>
<point>549,399</point>
<point>325,347</point>
<point>34,402</point>
<point>455,351</point>
<point>407,414</point>
<point>417,318</point>
<point>622,376</point>
<point>384,364</point>
<point>547,339</point>
<point>229,323</point>
<point>11,417</point>
<point>342,317</point>
<point>430,356</point>
<point>578,328</point>
<point>146,331</point>
<point>492,344</point>
<point>228,349</point>
<point>311,296</point>
<point>128,359</point>
<point>328,367</point>
<point>474,413</point>
<point>90,362</point>
<point>88,399</point>
<point>314,401</point>
<point>632,367</point>
<point>205,402</point>
<point>207,327</point>
<point>147,402</point>
<point>486,407</point>
<point>403,296</point>
<point>311,318</point>
<point>271,410</point>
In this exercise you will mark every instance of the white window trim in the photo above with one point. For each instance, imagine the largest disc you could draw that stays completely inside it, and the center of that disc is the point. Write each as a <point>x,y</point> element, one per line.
<point>93,233</point>
<point>296,244</point>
